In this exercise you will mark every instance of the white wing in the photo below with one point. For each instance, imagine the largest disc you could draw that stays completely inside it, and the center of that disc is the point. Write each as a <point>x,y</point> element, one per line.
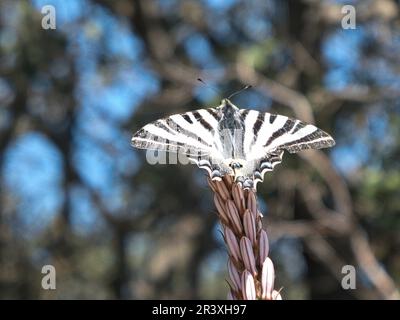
<point>194,134</point>
<point>267,136</point>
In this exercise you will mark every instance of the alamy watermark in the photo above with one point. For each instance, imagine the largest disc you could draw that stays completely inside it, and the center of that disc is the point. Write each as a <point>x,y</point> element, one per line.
<point>349,18</point>
<point>49,278</point>
<point>49,18</point>
<point>349,278</point>
<point>184,149</point>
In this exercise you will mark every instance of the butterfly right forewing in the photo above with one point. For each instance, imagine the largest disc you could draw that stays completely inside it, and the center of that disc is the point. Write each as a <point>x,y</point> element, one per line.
<point>267,136</point>
<point>266,132</point>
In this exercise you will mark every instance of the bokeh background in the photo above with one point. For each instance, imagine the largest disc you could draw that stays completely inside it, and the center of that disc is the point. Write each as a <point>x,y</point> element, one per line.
<point>74,194</point>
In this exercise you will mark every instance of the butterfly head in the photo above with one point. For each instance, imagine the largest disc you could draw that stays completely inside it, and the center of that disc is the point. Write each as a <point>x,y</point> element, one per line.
<point>228,109</point>
<point>227,104</point>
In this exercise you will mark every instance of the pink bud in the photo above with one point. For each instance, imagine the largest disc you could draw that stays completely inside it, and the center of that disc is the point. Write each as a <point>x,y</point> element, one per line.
<point>237,196</point>
<point>234,275</point>
<point>211,185</point>
<point>227,179</point>
<point>248,287</point>
<point>232,244</point>
<point>263,245</point>
<point>249,226</point>
<point>246,250</point>
<point>267,279</point>
<point>252,203</point>
<point>222,190</point>
<point>219,204</point>
<point>233,214</point>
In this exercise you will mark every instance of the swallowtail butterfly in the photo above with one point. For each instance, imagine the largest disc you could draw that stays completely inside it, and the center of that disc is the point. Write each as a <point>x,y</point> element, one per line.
<point>230,141</point>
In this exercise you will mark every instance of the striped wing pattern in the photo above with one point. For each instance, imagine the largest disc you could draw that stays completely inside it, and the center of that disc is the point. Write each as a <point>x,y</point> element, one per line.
<point>267,136</point>
<point>194,134</point>
<point>225,140</point>
<point>190,133</point>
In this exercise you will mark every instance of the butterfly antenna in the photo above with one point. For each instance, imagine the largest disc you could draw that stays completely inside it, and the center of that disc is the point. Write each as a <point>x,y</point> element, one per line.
<point>239,91</point>
<point>209,86</point>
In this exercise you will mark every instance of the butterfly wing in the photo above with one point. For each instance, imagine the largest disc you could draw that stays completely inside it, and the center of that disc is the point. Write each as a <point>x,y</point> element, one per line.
<point>266,138</point>
<point>194,134</point>
<point>259,146</point>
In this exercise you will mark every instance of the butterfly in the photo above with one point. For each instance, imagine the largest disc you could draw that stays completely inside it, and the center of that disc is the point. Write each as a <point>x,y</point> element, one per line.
<point>230,141</point>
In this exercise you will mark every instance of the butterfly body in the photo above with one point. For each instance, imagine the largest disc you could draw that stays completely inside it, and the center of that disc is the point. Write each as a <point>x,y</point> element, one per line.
<point>230,141</point>
<point>230,129</point>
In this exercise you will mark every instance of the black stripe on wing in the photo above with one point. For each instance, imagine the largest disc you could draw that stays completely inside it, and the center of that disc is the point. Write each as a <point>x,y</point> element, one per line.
<point>213,112</point>
<point>178,133</point>
<point>143,140</point>
<point>189,133</point>
<point>289,124</point>
<point>179,130</point>
<point>316,140</point>
<point>294,139</point>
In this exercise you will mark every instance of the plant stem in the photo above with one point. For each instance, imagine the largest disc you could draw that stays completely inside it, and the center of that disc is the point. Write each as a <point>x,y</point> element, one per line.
<point>251,271</point>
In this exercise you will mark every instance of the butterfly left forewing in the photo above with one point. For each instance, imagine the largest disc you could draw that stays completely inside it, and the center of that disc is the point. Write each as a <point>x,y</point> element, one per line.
<point>194,134</point>
<point>178,133</point>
